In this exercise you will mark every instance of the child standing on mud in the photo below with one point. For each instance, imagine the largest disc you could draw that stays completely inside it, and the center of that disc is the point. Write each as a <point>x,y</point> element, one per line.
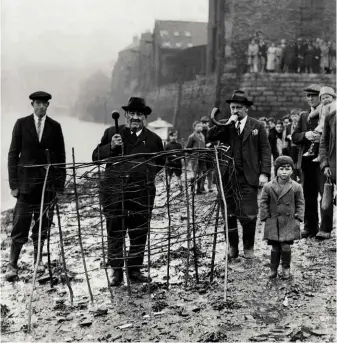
<point>282,209</point>
<point>174,165</point>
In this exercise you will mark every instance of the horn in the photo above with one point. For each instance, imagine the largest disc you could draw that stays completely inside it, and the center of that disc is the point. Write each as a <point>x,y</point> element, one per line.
<point>214,112</point>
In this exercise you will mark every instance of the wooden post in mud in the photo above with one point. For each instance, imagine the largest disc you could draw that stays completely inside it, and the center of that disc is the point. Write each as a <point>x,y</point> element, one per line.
<point>79,229</point>
<point>29,328</point>
<point>148,244</point>
<point>102,230</point>
<point>71,293</point>
<point>215,239</point>
<point>222,194</point>
<point>169,227</point>
<point>187,224</point>
<point>194,236</point>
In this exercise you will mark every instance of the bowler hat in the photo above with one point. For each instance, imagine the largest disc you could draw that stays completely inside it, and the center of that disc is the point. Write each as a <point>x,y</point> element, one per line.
<point>313,89</point>
<point>40,95</point>
<point>137,104</point>
<point>240,97</point>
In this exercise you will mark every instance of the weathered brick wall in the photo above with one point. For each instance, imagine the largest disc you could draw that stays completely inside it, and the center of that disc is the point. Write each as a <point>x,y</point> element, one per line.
<point>273,95</point>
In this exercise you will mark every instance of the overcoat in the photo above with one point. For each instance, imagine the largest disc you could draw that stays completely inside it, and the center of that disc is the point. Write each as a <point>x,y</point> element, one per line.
<point>256,150</point>
<point>138,170</point>
<point>25,149</point>
<point>327,149</point>
<point>282,210</point>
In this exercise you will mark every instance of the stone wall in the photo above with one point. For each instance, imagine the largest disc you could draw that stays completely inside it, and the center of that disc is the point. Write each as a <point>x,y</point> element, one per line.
<point>273,95</point>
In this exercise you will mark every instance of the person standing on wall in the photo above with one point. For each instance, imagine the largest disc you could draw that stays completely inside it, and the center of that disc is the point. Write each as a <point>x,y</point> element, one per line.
<point>313,178</point>
<point>32,137</point>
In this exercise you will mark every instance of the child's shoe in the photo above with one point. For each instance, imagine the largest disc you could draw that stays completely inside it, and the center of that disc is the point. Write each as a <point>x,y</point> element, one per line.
<point>274,263</point>
<point>286,258</point>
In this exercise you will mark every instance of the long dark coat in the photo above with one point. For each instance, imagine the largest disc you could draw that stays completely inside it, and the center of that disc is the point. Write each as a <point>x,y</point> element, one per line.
<point>282,210</point>
<point>256,150</point>
<point>299,138</point>
<point>25,149</point>
<point>327,149</point>
<point>141,170</point>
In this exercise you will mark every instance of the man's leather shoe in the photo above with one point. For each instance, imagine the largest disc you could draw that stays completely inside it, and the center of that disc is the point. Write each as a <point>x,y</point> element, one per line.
<point>233,252</point>
<point>11,273</point>
<point>117,278</point>
<point>323,235</point>
<point>137,276</point>
<point>249,253</point>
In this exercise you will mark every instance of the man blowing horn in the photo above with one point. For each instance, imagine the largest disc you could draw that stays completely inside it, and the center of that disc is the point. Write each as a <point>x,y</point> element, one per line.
<point>252,156</point>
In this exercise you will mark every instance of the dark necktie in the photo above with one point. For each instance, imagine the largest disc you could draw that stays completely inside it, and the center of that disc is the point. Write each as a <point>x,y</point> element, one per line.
<point>133,137</point>
<point>238,127</point>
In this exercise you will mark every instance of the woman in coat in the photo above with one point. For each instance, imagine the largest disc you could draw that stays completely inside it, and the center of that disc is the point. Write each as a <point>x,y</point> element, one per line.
<point>282,209</point>
<point>271,58</point>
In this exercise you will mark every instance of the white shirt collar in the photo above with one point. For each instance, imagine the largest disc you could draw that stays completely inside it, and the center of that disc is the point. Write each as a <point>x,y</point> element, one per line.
<point>36,118</point>
<point>138,132</point>
<point>242,123</point>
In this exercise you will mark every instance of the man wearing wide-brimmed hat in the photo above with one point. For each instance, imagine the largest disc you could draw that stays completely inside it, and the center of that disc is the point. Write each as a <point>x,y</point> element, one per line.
<point>252,155</point>
<point>135,178</point>
<point>313,178</point>
<point>32,137</point>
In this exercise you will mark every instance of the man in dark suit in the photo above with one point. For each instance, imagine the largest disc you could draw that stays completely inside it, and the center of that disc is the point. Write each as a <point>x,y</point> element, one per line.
<point>313,177</point>
<point>34,138</point>
<point>252,156</point>
<point>135,178</point>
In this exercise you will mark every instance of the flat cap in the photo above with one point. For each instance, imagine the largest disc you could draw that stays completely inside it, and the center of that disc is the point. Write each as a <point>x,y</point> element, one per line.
<point>40,95</point>
<point>313,89</point>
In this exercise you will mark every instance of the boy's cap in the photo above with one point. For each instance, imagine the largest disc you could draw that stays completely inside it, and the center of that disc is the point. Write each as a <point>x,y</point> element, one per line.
<point>327,90</point>
<point>283,160</point>
<point>204,119</point>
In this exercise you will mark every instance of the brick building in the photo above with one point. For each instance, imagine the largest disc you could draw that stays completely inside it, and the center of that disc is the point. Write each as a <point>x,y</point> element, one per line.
<point>274,18</point>
<point>169,38</point>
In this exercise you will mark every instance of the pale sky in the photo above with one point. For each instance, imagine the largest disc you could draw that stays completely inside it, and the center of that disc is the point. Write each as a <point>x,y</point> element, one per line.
<point>82,32</point>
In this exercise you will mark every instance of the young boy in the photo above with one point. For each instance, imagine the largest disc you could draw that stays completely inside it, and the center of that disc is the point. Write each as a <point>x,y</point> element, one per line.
<point>174,165</point>
<point>282,209</point>
<point>197,140</point>
<point>326,96</point>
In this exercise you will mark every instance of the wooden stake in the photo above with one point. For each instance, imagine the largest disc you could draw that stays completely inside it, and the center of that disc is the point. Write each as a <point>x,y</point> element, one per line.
<point>187,224</point>
<point>194,236</point>
<point>215,240</point>
<point>226,220</point>
<point>29,328</point>
<point>169,227</point>
<point>71,293</point>
<point>79,229</point>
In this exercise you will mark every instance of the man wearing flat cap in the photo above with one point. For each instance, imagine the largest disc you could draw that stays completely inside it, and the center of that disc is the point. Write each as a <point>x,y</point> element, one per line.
<point>35,139</point>
<point>252,156</point>
<point>313,178</point>
<point>136,179</point>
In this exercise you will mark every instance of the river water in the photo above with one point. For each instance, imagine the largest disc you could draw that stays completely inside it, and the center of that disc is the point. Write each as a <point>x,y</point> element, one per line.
<point>83,136</point>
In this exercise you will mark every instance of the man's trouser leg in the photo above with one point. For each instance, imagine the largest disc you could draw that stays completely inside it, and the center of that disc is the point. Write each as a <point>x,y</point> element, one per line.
<point>327,215</point>
<point>248,216</point>
<point>116,234</point>
<point>22,218</point>
<point>138,226</point>
<point>310,190</point>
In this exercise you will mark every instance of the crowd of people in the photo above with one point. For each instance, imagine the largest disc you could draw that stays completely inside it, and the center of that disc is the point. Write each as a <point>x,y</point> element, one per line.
<point>293,56</point>
<point>128,189</point>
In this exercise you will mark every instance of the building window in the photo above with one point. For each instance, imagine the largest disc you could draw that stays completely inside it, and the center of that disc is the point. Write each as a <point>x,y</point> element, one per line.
<point>163,33</point>
<point>176,34</point>
<point>190,45</point>
<point>166,45</point>
<point>178,45</point>
<point>187,34</point>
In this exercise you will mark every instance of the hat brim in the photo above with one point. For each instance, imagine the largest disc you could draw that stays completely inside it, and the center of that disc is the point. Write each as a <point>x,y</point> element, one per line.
<point>146,109</point>
<point>243,102</point>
